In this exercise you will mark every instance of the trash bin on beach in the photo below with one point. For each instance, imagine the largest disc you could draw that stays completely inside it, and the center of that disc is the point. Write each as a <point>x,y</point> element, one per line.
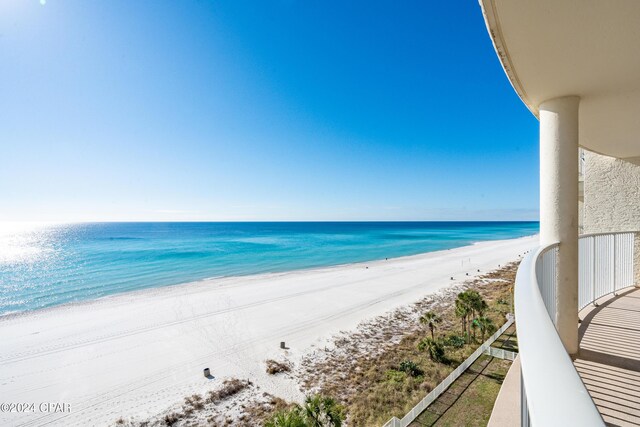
<point>282,345</point>
<point>207,372</point>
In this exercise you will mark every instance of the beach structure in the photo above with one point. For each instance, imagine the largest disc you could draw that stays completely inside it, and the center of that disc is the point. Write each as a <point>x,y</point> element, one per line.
<point>576,66</point>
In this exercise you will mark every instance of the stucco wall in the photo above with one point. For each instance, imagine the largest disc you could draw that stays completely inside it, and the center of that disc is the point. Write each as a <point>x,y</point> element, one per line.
<point>580,217</point>
<point>612,198</point>
<point>611,194</point>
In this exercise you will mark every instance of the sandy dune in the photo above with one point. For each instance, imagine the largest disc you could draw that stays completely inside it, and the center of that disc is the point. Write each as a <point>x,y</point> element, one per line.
<point>135,354</point>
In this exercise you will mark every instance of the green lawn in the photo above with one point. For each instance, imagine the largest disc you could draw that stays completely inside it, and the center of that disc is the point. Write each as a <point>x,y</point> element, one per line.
<point>508,340</point>
<point>469,401</point>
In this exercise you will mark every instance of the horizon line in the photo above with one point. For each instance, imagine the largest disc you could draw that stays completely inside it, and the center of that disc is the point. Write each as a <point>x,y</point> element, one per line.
<point>255,221</point>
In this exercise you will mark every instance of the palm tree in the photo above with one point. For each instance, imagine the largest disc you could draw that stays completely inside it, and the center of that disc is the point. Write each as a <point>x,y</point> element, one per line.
<point>474,325</point>
<point>318,411</point>
<point>486,326</point>
<point>468,304</point>
<point>476,303</point>
<point>290,418</point>
<point>435,349</point>
<point>431,319</point>
<point>479,305</point>
<point>463,311</point>
<point>322,411</point>
<point>409,367</point>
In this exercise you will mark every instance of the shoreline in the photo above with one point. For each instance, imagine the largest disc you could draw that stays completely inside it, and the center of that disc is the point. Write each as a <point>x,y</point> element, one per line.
<point>138,353</point>
<point>264,275</point>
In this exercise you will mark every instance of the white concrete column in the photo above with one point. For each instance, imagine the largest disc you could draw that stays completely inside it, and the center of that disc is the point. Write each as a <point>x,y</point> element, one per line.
<point>559,206</point>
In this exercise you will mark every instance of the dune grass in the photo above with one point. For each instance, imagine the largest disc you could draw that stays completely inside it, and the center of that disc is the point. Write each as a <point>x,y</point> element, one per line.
<point>375,388</point>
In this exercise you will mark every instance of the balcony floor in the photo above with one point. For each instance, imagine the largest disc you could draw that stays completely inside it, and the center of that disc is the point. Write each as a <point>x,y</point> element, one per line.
<point>609,360</point>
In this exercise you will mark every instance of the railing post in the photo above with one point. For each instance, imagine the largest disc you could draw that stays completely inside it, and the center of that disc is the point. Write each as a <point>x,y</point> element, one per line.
<point>635,251</point>
<point>524,410</point>
<point>615,263</point>
<point>593,263</point>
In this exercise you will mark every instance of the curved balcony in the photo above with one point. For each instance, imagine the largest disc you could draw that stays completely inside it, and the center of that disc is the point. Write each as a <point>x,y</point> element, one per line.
<point>552,389</point>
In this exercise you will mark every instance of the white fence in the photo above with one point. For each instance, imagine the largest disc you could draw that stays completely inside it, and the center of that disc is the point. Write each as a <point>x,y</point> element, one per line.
<point>501,353</point>
<point>444,385</point>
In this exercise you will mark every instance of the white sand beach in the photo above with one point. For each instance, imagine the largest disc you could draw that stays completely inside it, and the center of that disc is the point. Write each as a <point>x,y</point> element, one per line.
<point>138,353</point>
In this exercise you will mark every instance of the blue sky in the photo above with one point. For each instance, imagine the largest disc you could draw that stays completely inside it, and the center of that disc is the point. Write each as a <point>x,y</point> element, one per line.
<point>278,110</point>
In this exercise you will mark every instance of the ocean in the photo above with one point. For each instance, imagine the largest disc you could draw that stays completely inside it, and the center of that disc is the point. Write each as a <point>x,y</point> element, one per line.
<point>47,265</point>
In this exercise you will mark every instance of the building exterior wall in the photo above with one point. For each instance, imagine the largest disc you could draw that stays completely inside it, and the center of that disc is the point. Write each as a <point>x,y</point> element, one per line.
<point>581,217</point>
<point>612,198</point>
<point>611,194</point>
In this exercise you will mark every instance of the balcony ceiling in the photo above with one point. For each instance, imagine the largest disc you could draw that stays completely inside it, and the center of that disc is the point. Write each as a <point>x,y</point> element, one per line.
<point>589,48</point>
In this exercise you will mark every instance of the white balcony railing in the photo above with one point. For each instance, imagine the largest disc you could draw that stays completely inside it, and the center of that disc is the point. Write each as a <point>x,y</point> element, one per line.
<point>605,265</point>
<point>552,392</point>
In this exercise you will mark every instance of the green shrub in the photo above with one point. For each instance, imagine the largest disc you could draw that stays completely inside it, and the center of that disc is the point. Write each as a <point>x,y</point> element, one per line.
<point>455,341</point>
<point>395,376</point>
<point>410,368</point>
<point>434,348</point>
<point>289,418</point>
<point>317,411</point>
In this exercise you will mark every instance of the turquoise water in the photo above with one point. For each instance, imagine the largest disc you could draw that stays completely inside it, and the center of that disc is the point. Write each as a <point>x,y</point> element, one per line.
<point>49,265</point>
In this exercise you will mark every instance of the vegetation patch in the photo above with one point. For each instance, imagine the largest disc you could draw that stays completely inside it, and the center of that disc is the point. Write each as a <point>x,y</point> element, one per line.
<point>410,368</point>
<point>455,341</point>
<point>274,367</point>
<point>317,411</point>
<point>390,364</point>
<point>172,418</point>
<point>261,411</point>
<point>197,409</point>
<point>229,388</point>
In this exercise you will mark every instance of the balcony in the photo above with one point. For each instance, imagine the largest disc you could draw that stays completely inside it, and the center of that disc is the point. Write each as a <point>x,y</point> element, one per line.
<point>609,359</point>
<point>602,384</point>
<point>576,69</point>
